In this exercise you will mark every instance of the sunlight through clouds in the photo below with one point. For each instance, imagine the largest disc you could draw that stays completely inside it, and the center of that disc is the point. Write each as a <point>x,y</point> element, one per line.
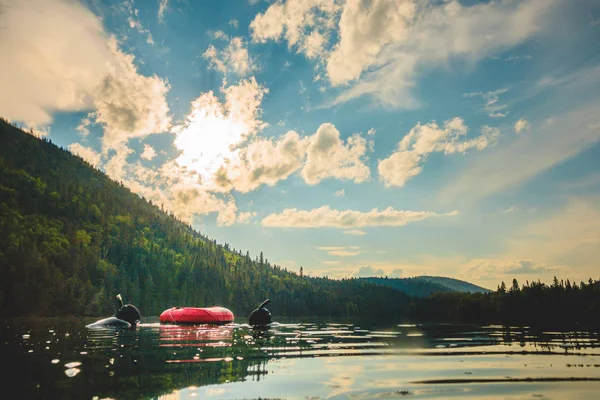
<point>212,130</point>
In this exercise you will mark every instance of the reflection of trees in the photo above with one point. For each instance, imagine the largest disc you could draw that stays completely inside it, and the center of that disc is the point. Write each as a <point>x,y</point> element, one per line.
<point>170,357</point>
<point>179,357</point>
<point>125,364</point>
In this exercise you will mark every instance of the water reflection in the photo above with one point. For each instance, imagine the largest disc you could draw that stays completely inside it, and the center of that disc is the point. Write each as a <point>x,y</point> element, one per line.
<point>67,360</point>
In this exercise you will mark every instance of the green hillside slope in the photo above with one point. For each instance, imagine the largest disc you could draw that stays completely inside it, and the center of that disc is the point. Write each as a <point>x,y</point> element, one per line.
<point>423,286</point>
<point>71,238</point>
<point>452,284</point>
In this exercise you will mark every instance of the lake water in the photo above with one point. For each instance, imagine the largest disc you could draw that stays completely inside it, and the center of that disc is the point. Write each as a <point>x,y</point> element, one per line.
<point>54,359</point>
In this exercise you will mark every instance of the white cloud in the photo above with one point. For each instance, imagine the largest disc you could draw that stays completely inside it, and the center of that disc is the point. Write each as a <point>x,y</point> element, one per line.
<point>294,21</point>
<point>149,153</point>
<point>340,193</point>
<point>262,161</point>
<point>381,46</point>
<point>422,140</point>
<point>212,130</point>
<point>328,157</point>
<point>58,52</point>
<point>371,132</point>
<point>327,217</point>
<point>117,164</point>
<point>367,271</point>
<point>39,131</point>
<point>162,7</point>
<point>491,105</point>
<point>128,104</point>
<point>330,262</point>
<point>87,153</point>
<point>245,216</point>
<point>127,6</point>
<point>364,29</point>
<point>83,127</point>
<point>444,32</point>
<point>355,232</point>
<point>520,160</point>
<point>234,23</point>
<point>331,248</point>
<point>341,251</point>
<point>521,125</point>
<point>234,58</point>
<point>63,60</point>
<point>344,253</point>
<point>319,156</point>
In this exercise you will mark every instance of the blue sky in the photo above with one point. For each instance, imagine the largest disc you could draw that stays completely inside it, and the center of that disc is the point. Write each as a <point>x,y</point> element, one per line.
<point>352,138</point>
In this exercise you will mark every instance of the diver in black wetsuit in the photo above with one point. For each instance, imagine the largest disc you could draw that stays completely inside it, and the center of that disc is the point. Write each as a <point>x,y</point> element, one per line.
<point>127,316</point>
<point>261,317</point>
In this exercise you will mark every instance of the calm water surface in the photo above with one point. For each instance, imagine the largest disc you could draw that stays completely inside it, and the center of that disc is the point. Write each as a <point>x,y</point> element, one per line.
<point>52,359</point>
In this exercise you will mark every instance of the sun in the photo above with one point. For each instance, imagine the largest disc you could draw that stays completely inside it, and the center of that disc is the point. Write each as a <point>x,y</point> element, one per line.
<point>209,137</point>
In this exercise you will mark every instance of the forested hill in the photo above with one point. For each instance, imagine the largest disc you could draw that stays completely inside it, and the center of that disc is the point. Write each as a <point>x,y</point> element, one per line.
<point>454,285</point>
<point>71,239</point>
<point>423,286</point>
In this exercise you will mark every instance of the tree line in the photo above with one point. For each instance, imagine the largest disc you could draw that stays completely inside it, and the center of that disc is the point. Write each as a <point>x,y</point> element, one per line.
<point>71,238</point>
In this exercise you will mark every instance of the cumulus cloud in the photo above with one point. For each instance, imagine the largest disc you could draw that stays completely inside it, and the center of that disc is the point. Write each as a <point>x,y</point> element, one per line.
<point>128,104</point>
<point>319,156</point>
<point>367,271</point>
<point>327,217</point>
<point>87,153</point>
<point>57,50</point>
<point>364,29</point>
<point>262,161</point>
<point>340,193</point>
<point>149,153</point>
<point>521,125</point>
<point>172,187</point>
<point>422,140</point>
<point>39,131</point>
<point>329,157</point>
<point>234,58</point>
<point>63,60</point>
<point>379,47</point>
<point>303,24</point>
<point>447,31</point>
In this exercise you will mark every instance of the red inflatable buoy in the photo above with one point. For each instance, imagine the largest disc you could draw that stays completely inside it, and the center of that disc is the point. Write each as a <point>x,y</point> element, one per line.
<point>194,315</point>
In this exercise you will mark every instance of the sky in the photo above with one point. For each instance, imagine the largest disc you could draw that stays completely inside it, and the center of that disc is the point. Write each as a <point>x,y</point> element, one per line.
<point>348,137</point>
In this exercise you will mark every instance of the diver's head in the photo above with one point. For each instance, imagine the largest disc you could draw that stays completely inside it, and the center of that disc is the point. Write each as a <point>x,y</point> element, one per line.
<point>129,313</point>
<point>261,316</point>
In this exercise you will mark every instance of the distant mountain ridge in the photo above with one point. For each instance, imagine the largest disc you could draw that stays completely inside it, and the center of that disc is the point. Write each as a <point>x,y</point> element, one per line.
<point>423,286</point>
